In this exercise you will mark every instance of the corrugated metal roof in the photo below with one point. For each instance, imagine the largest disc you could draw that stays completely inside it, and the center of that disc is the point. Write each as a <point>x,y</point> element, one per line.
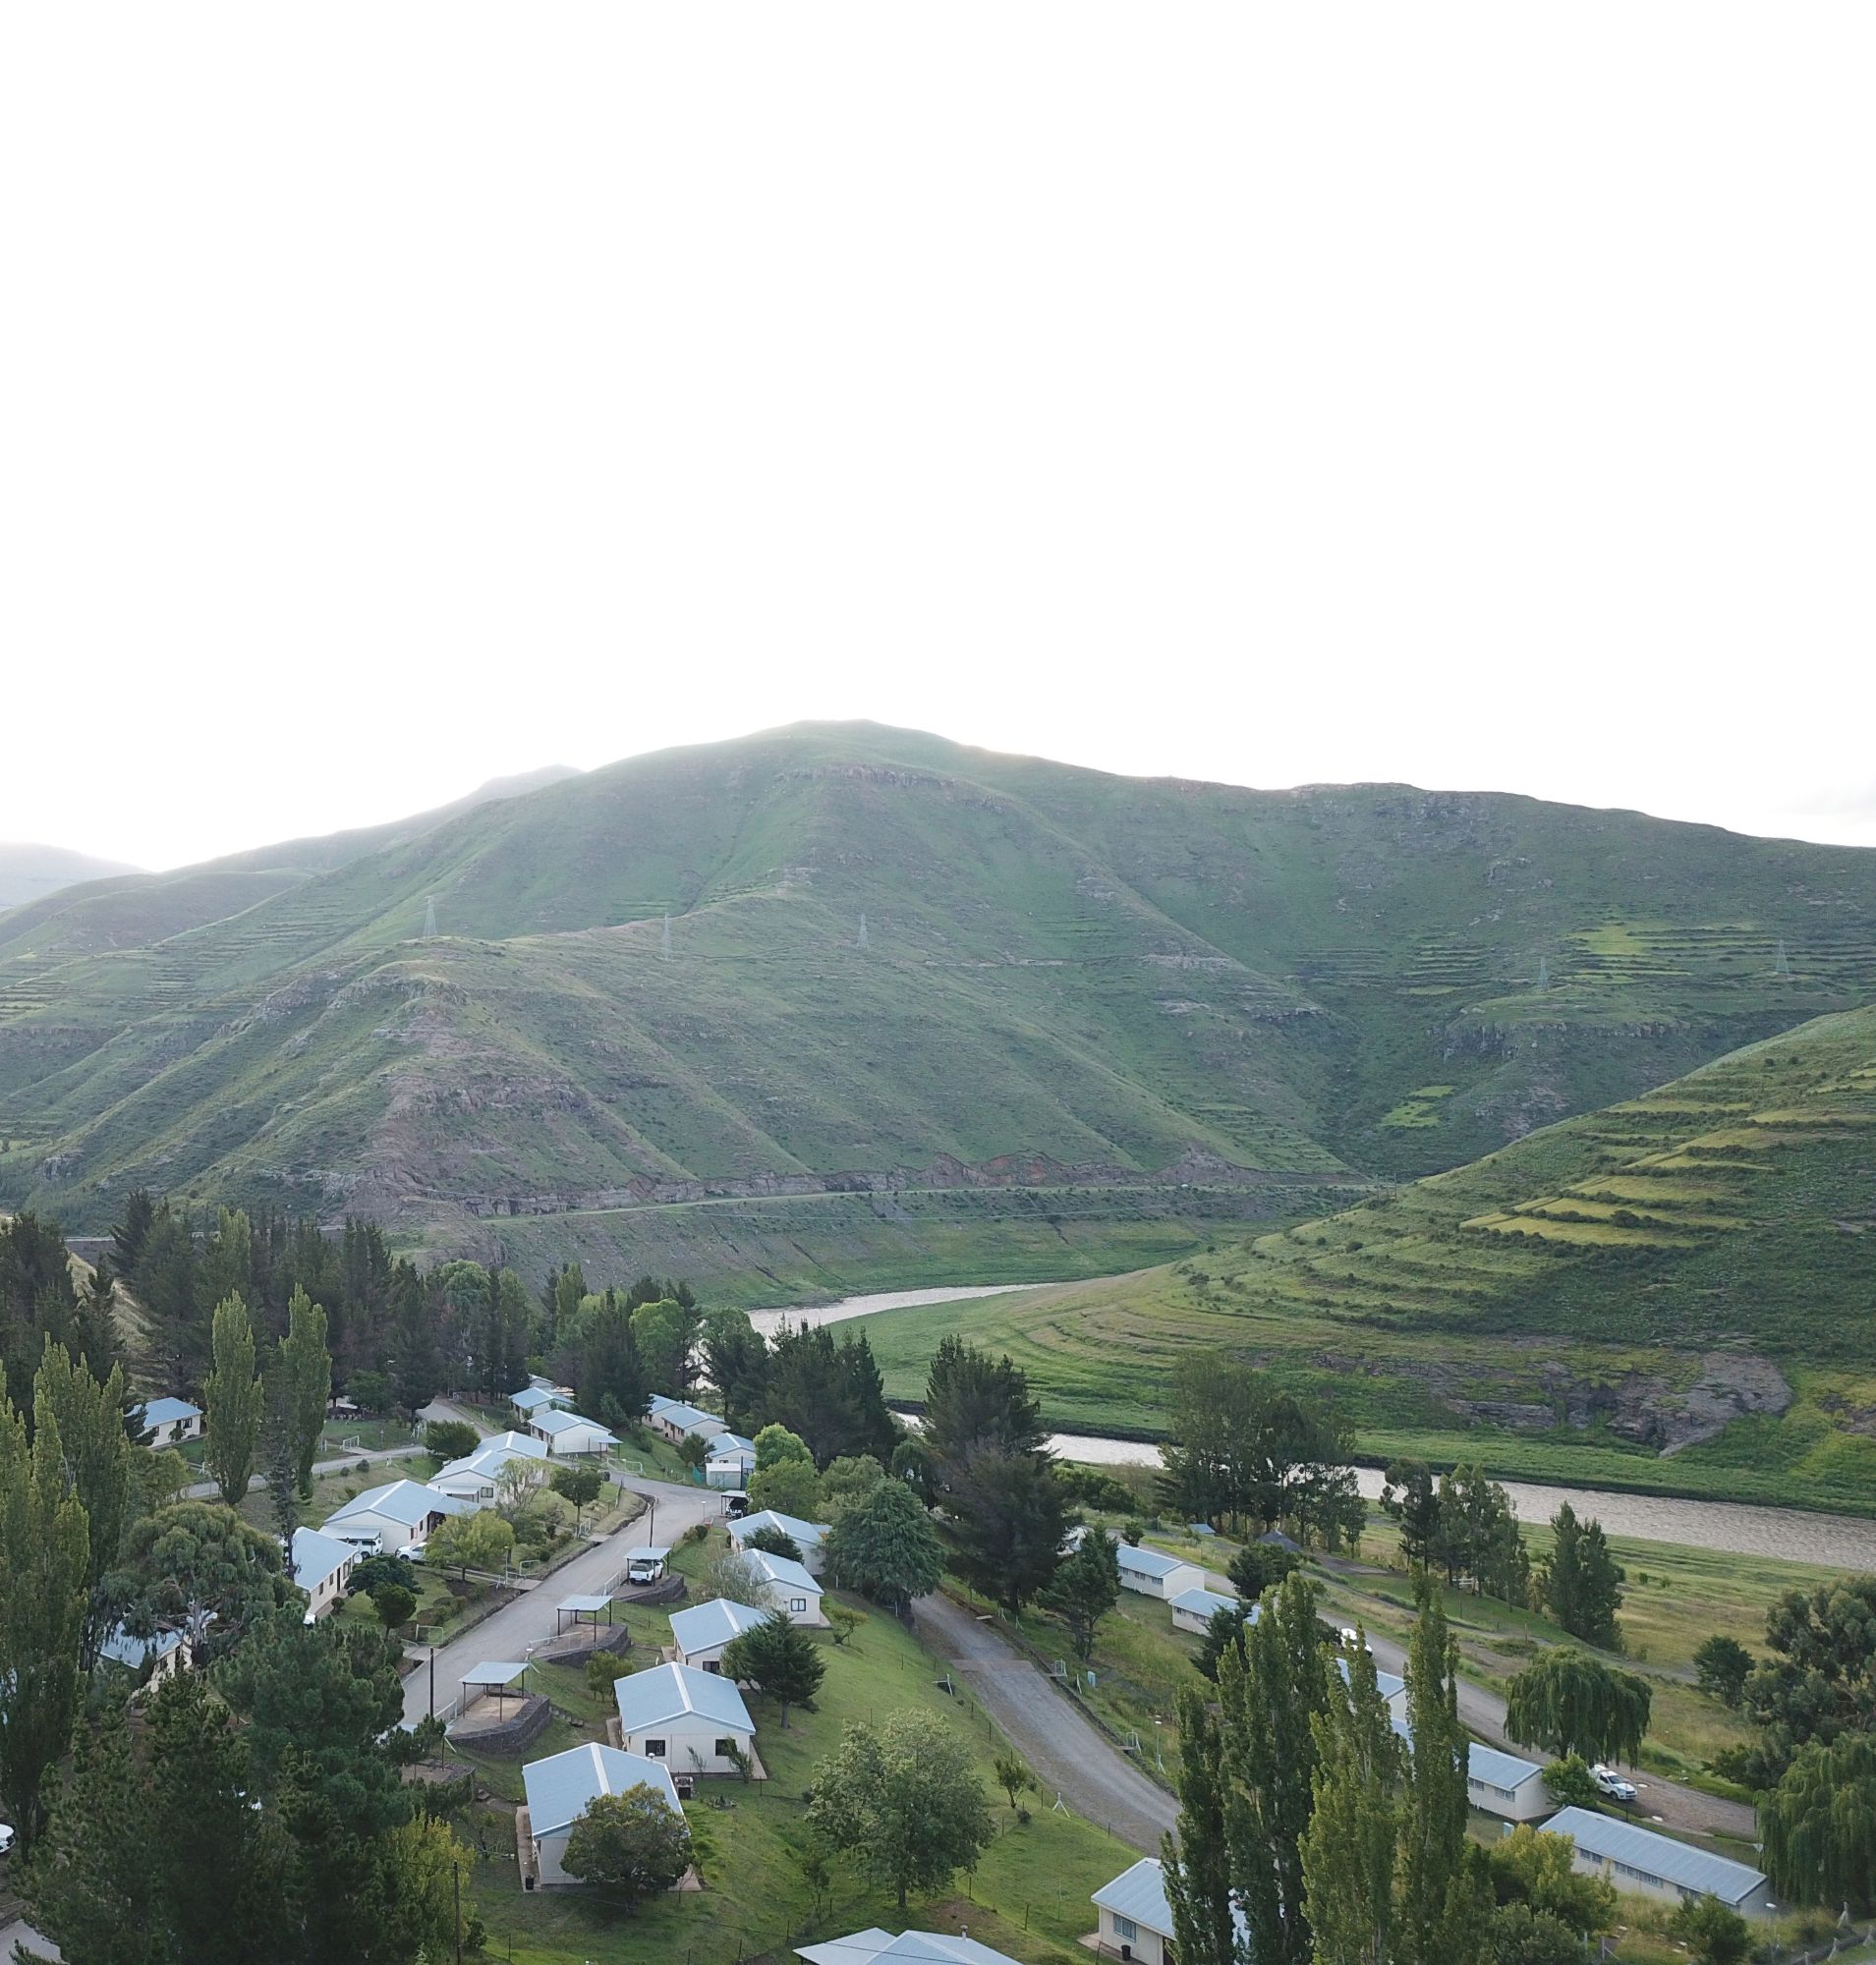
<point>560,1787</point>
<point>672,1691</point>
<point>1208,1603</point>
<point>910,1947</point>
<point>1138,1893</point>
<point>713,1624</point>
<point>495,1672</point>
<point>693,1419</point>
<point>316,1556</point>
<point>1499,1770</point>
<point>805,1534</point>
<point>1657,1856</point>
<point>1148,1561</point>
<point>123,1649</point>
<point>404,1501</point>
<point>782,1569</point>
<point>531,1397</point>
<point>555,1422</point>
<point>161,1412</point>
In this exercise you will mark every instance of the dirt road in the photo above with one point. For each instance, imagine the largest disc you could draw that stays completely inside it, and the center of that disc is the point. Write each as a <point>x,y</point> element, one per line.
<point>1067,1753</point>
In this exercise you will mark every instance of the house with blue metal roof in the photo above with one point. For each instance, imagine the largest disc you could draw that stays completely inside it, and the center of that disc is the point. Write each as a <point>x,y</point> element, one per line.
<point>806,1536</point>
<point>1497,1783</point>
<point>1658,1866</point>
<point>1135,1920</point>
<point>1153,1574</point>
<point>562,1787</point>
<point>700,1634</point>
<point>694,1721</point>
<point>568,1433</point>
<point>909,1947</point>
<point>321,1566</point>
<point>675,1419</point>
<point>1194,1609</point>
<point>531,1399</point>
<point>787,1586</point>
<point>169,1422</point>
<point>394,1516</point>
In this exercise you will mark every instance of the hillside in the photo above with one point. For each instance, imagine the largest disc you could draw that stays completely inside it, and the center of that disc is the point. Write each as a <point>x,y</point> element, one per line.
<point>1676,1291</point>
<point>29,873</point>
<point>895,965</point>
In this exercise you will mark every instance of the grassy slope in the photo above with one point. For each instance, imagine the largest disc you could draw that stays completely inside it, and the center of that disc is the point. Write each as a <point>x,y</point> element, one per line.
<point>1059,963</point>
<point>1029,1896</point>
<point>1730,1211</point>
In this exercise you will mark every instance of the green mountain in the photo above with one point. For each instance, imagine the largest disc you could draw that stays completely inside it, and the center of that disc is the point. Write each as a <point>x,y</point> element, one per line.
<point>897,969</point>
<point>1678,1291</point>
<point>29,872</point>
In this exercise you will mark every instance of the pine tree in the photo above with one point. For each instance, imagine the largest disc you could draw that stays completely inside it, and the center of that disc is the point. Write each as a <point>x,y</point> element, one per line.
<point>1085,1585</point>
<point>232,1402</point>
<point>1198,1867</point>
<point>415,1369</point>
<point>780,1659</point>
<point>1581,1581</point>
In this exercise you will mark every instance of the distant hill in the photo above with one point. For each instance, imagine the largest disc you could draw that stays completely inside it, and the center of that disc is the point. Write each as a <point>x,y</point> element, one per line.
<point>29,873</point>
<point>897,967</point>
<point>1676,1291</point>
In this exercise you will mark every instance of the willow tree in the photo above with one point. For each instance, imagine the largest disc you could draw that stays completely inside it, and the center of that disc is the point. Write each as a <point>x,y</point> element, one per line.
<point>1819,1825</point>
<point>1573,1704</point>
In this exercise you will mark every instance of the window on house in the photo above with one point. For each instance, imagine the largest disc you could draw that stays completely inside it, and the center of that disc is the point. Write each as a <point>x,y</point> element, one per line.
<point>1126,1930</point>
<point>725,1748</point>
<point>655,1749</point>
<point>798,1603</point>
<point>713,1665</point>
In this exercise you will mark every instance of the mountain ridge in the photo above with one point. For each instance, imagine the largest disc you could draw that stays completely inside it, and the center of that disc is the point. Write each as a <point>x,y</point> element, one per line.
<point>888,950</point>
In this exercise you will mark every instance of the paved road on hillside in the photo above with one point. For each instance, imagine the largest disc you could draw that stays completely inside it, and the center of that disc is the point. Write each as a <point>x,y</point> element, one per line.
<point>514,1631</point>
<point>1067,1753</point>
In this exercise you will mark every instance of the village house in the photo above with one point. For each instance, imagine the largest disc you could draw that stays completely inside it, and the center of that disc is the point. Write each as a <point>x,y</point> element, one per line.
<point>170,1421</point>
<point>694,1721</point>
<point>806,1536</point>
<point>673,1419</point>
<point>1155,1575</point>
<point>1194,1609</point>
<point>321,1566</point>
<point>401,1514</point>
<point>560,1789</point>
<point>787,1586</point>
<point>910,1947</point>
<point>700,1634</point>
<point>1657,1866</point>
<point>569,1435</point>
<point>1133,1920</point>
<point>729,1460</point>
<point>537,1397</point>
<point>164,1653</point>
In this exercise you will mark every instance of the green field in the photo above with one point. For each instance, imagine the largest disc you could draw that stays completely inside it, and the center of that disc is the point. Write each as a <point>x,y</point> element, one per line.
<point>1029,1896</point>
<point>1718,1233</point>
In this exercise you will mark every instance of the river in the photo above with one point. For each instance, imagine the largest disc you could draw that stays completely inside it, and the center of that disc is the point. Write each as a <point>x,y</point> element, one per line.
<point>1735,1528</point>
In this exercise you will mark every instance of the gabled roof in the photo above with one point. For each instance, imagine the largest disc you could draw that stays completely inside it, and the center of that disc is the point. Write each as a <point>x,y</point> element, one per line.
<point>657,1405</point>
<point>673,1692</point>
<point>1658,1856</point>
<point>553,1421</point>
<point>1208,1603</point>
<point>1138,1893</point>
<point>531,1397</point>
<point>163,1412</point>
<point>129,1652</point>
<point>691,1418</point>
<point>715,1623</point>
<point>1497,1769</point>
<point>523,1443</point>
<point>1148,1561</point>
<point>488,1461</point>
<point>560,1787</point>
<point>725,1443</point>
<point>779,1569</point>
<point>316,1556</point>
<point>803,1535</point>
<point>404,1501</point>
<point>910,1947</point>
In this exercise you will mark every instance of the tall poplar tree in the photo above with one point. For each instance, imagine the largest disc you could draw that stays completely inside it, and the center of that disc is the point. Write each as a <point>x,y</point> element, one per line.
<point>1441,1913</point>
<point>1270,1698</point>
<point>305,1369</point>
<point>1354,1836</point>
<point>97,1455</point>
<point>44,1561</point>
<point>1198,1867</point>
<point>232,1398</point>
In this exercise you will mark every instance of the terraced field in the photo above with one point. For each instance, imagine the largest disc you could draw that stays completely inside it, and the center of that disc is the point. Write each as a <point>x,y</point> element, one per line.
<point>1677,1292</point>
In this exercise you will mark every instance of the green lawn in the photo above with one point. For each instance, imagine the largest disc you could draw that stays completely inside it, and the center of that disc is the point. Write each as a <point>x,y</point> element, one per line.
<point>1029,1896</point>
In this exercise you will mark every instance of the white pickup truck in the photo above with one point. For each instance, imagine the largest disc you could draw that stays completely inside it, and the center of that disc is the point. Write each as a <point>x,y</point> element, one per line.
<point>1610,1782</point>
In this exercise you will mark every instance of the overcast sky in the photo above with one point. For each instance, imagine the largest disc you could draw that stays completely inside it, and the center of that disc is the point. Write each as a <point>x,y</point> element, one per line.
<point>398,396</point>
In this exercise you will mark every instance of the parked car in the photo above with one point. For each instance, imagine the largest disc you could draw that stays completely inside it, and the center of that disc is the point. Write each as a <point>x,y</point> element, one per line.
<point>1608,1781</point>
<point>6,1838</point>
<point>412,1551</point>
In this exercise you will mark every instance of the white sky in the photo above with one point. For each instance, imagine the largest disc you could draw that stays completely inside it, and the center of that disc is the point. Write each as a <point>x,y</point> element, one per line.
<point>393,396</point>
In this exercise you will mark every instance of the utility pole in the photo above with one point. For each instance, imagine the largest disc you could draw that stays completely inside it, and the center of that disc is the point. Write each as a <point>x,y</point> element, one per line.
<point>432,1681</point>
